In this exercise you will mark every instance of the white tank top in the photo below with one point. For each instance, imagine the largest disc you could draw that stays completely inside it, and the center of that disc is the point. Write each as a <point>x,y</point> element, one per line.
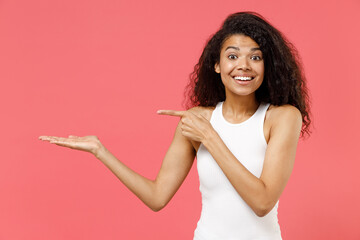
<point>225,215</point>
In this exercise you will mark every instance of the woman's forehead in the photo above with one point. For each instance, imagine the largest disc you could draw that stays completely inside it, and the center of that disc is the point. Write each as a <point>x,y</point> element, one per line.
<point>239,42</point>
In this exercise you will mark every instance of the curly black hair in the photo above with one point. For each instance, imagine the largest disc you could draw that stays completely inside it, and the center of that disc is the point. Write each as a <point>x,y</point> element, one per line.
<point>284,81</point>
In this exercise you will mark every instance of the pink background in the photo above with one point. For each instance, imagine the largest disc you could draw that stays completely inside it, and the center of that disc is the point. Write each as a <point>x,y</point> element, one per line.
<point>104,67</point>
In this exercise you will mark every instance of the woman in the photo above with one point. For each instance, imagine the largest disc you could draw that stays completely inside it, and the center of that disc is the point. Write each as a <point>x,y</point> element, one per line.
<point>251,105</point>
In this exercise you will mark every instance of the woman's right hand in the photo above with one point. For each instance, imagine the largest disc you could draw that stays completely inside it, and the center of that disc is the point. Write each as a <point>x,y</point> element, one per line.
<point>89,144</point>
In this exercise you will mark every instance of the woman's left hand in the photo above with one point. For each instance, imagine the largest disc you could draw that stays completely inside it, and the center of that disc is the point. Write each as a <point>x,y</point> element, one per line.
<point>193,126</point>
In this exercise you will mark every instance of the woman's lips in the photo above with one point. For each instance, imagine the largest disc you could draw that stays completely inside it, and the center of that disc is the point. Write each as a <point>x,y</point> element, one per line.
<point>243,80</point>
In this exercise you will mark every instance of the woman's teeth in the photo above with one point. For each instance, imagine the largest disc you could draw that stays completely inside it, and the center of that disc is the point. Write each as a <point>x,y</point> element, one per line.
<point>243,78</point>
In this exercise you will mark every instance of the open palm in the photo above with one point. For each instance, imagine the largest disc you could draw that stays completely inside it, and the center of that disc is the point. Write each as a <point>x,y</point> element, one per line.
<point>88,143</point>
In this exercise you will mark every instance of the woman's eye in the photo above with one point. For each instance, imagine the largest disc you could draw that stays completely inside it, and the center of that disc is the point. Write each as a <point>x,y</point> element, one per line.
<point>232,56</point>
<point>256,58</point>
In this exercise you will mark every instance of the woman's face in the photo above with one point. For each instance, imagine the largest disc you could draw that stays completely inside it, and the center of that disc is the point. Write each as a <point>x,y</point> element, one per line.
<point>241,65</point>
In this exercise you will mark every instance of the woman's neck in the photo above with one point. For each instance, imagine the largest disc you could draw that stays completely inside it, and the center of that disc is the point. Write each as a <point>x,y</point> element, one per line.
<point>240,106</point>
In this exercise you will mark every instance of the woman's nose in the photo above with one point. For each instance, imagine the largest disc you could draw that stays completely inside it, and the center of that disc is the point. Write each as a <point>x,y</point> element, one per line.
<point>243,64</point>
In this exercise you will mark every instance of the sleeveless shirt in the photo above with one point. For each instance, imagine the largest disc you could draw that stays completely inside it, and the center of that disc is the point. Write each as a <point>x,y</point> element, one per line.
<point>225,215</point>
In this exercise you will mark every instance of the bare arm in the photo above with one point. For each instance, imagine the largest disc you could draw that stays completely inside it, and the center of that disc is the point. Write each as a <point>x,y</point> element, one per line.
<point>154,193</point>
<point>175,167</point>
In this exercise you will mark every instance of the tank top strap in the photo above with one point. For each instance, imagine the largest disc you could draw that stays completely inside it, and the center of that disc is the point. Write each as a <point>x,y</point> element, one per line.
<point>261,112</point>
<point>216,114</point>
<point>260,119</point>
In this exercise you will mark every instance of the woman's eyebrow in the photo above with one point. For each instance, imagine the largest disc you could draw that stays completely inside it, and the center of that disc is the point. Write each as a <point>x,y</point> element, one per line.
<point>238,49</point>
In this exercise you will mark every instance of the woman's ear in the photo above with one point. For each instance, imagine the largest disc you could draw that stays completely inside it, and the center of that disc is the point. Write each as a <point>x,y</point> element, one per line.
<point>217,68</point>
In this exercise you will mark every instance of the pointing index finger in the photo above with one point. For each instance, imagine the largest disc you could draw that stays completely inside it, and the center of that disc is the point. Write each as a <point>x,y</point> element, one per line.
<point>171,113</point>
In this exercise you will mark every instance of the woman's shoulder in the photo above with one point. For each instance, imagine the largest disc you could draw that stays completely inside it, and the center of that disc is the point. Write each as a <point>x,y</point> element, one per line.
<point>282,111</point>
<point>204,111</point>
<point>283,115</point>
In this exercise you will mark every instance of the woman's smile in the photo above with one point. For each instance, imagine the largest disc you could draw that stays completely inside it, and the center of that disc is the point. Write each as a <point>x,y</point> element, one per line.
<point>243,80</point>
